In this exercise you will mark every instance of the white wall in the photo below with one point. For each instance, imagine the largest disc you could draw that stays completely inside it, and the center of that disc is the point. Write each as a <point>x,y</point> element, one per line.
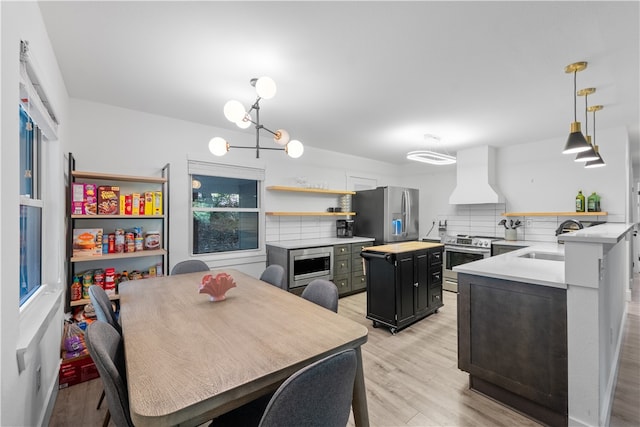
<point>533,177</point>
<point>21,403</point>
<point>115,140</point>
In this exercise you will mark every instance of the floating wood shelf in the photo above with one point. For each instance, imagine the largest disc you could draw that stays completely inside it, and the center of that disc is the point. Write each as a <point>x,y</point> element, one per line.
<point>308,190</point>
<point>554,214</point>
<point>310,213</point>
<point>138,254</point>
<point>112,177</point>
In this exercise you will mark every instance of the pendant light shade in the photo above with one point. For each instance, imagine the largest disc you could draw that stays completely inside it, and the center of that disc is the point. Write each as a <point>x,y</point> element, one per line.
<point>590,154</point>
<point>576,141</point>
<point>599,162</point>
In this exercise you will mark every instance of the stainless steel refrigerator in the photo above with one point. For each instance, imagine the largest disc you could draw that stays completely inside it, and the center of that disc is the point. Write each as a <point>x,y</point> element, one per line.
<point>388,214</point>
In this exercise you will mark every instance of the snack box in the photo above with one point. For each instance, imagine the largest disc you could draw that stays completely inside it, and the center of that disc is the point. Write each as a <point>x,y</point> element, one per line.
<point>77,370</point>
<point>77,198</point>
<point>108,200</point>
<point>87,241</point>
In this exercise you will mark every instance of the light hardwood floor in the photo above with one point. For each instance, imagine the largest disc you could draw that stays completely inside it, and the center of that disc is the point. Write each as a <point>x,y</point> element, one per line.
<point>412,377</point>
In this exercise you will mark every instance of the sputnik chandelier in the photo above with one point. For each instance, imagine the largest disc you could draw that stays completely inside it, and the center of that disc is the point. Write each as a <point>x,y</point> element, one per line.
<point>235,112</point>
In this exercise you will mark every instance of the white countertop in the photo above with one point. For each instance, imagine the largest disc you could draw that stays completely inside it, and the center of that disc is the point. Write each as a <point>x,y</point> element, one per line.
<point>610,232</point>
<point>315,243</point>
<point>511,266</point>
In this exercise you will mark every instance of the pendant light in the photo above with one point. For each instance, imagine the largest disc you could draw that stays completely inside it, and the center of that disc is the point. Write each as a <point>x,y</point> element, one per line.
<point>590,154</point>
<point>599,162</point>
<point>576,141</point>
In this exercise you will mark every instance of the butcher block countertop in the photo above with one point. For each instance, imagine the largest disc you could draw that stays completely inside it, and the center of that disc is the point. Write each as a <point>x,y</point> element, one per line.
<point>396,248</point>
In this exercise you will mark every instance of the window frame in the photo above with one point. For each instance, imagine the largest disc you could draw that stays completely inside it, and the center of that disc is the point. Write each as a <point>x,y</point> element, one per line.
<point>34,199</point>
<point>220,170</point>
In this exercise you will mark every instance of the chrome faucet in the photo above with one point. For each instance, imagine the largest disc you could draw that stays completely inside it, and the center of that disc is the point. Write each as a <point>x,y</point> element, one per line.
<point>569,221</point>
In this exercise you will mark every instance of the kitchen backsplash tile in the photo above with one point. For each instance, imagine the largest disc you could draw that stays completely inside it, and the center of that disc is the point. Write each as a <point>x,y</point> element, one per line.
<point>280,228</point>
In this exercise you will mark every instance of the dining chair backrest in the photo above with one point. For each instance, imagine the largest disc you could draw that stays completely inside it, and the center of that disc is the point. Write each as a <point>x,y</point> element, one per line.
<point>106,349</point>
<point>274,274</point>
<point>189,266</point>
<point>317,395</point>
<point>102,306</point>
<point>322,292</point>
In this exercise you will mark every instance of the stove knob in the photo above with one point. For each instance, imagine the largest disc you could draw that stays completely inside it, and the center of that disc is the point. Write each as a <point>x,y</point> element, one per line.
<point>486,243</point>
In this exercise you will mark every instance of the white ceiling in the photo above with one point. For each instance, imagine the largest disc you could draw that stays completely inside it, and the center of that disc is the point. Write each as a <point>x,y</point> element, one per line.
<point>364,78</point>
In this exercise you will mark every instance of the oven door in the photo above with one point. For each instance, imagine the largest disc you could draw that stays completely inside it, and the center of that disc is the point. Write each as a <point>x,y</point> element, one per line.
<point>453,256</point>
<point>308,264</point>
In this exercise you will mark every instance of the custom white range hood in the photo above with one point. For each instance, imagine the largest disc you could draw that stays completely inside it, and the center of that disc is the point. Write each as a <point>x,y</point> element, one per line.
<point>475,177</point>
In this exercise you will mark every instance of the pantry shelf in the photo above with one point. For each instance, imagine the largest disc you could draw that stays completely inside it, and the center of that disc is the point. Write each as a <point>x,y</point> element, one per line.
<point>86,301</point>
<point>112,177</point>
<point>117,216</point>
<point>138,254</point>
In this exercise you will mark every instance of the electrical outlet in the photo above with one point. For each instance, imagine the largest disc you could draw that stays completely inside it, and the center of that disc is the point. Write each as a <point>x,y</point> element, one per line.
<point>529,223</point>
<point>38,378</point>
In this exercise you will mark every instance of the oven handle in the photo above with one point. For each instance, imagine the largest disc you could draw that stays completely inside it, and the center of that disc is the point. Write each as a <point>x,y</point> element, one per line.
<point>370,255</point>
<point>467,250</point>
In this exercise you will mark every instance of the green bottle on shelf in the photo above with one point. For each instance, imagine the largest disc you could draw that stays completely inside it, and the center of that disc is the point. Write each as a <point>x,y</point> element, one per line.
<point>580,202</point>
<point>593,203</point>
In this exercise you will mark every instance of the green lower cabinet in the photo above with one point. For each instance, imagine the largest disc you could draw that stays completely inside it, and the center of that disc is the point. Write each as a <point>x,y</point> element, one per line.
<point>348,270</point>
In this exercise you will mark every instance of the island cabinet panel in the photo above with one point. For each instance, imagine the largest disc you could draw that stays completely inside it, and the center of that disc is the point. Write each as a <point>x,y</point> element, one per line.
<point>402,287</point>
<point>512,340</point>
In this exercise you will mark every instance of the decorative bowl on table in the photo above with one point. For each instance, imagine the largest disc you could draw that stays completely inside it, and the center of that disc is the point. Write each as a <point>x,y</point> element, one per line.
<point>216,287</point>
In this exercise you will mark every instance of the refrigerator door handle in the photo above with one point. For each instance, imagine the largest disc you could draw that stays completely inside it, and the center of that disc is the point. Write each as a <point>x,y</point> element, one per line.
<point>406,204</point>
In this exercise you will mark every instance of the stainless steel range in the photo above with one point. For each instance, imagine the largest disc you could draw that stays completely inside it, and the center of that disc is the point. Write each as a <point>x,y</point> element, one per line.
<point>462,249</point>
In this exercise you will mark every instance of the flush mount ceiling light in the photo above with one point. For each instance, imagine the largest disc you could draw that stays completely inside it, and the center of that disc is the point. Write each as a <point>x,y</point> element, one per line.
<point>576,141</point>
<point>599,162</point>
<point>429,156</point>
<point>234,112</point>
<point>590,154</point>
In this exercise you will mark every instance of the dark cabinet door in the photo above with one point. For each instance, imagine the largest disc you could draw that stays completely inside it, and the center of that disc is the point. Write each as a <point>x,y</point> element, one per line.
<point>421,277</point>
<point>405,287</point>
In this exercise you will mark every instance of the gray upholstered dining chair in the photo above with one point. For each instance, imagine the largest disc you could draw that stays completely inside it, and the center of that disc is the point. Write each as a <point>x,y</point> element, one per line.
<point>189,266</point>
<point>274,274</point>
<point>322,292</point>
<point>104,313</point>
<point>106,349</point>
<point>103,307</point>
<point>317,395</point>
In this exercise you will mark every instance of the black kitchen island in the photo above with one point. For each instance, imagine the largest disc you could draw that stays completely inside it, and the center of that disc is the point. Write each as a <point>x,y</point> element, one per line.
<point>404,282</point>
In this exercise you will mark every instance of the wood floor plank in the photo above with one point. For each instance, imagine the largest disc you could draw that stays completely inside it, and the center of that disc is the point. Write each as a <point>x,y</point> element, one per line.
<point>412,378</point>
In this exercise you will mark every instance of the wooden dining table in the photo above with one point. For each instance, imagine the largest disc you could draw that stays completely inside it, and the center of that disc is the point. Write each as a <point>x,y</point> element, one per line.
<point>189,359</point>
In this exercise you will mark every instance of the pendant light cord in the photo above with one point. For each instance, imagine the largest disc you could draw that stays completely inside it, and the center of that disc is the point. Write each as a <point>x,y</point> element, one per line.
<point>586,115</point>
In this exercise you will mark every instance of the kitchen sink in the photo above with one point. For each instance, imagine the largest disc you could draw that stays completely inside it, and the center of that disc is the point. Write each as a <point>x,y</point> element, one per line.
<point>543,255</point>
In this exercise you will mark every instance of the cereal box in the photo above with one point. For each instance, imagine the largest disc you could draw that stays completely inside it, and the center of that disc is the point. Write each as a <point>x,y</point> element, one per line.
<point>90,199</point>
<point>135,204</point>
<point>128,204</point>
<point>148,203</point>
<point>108,200</point>
<point>157,203</point>
<point>87,241</point>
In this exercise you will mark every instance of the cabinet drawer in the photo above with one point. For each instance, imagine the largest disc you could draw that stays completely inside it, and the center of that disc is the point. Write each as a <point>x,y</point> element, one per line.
<point>358,282</point>
<point>435,297</point>
<point>343,283</point>
<point>341,250</point>
<point>435,277</point>
<point>356,248</point>
<point>435,257</point>
<point>341,266</point>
